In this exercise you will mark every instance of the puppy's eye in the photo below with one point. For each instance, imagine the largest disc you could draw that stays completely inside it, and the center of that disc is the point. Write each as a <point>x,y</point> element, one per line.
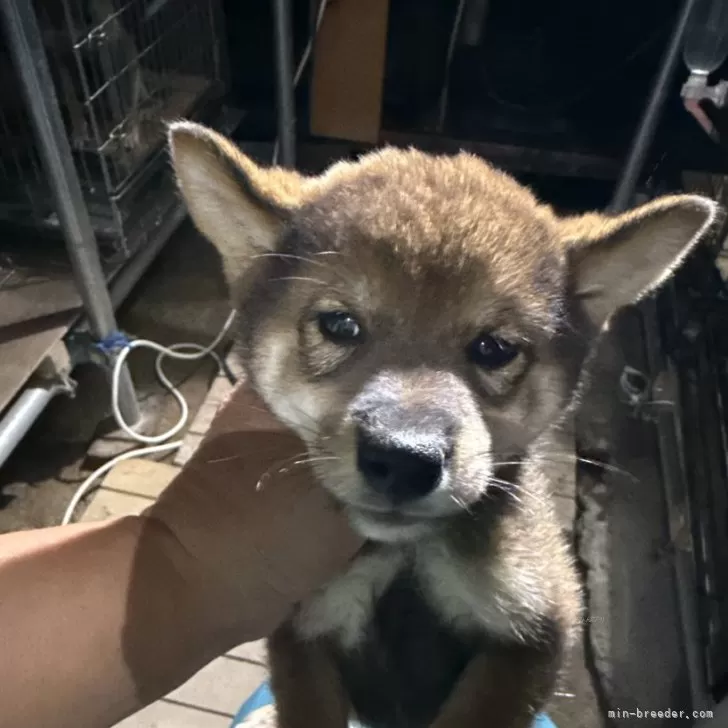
<point>492,352</point>
<point>339,326</point>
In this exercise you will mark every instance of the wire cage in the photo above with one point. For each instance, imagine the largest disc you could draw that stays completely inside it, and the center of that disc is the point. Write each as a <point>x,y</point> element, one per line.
<point>121,69</point>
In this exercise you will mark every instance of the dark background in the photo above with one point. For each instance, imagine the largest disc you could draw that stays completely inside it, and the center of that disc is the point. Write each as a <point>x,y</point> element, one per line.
<point>565,75</point>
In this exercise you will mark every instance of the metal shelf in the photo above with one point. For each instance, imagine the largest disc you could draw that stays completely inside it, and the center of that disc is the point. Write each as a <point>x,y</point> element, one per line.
<point>41,305</point>
<point>27,343</point>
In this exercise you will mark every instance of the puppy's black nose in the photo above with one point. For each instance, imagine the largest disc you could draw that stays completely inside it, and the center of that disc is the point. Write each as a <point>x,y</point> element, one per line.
<point>404,461</point>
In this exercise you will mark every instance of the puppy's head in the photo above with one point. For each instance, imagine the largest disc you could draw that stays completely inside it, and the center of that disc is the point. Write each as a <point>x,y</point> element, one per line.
<point>417,320</point>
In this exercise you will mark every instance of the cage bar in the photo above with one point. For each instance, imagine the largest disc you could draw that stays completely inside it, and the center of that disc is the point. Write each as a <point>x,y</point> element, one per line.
<point>122,69</point>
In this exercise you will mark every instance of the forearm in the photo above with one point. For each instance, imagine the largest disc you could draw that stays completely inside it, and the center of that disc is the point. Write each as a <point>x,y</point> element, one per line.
<point>96,620</point>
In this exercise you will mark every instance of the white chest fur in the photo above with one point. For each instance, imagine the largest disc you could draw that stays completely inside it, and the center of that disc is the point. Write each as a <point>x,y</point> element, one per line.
<point>466,596</point>
<point>345,607</point>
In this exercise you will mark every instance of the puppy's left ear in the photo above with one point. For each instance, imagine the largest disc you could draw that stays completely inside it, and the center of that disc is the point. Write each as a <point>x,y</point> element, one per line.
<point>615,261</point>
<point>237,204</point>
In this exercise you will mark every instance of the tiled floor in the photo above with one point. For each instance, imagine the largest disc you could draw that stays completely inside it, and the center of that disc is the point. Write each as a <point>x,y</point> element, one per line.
<point>213,696</point>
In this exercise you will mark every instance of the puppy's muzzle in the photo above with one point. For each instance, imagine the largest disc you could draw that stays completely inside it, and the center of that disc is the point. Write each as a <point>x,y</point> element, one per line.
<point>404,454</point>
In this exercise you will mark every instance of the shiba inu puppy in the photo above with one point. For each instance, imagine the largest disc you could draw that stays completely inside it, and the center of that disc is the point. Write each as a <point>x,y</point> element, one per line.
<point>421,322</point>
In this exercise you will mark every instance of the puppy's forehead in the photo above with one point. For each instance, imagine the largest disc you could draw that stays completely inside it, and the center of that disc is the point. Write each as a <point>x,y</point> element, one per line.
<point>435,218</point>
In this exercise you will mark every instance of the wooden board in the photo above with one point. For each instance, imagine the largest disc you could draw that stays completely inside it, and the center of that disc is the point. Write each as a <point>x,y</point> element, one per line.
<point>348,70</point>
<point>23,348</point>
<point>37,299</point>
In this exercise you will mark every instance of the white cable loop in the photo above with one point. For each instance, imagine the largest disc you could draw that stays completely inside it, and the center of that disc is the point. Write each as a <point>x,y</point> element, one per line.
<point>158,443</point>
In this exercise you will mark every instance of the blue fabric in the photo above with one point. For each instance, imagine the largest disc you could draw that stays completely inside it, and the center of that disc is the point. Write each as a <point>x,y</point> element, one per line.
<point>259,699</point>
<point>543,721</point>
<point>263,697</point>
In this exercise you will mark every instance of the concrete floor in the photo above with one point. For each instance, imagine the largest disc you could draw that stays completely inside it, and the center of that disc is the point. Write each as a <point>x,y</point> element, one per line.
<point>183,299</point>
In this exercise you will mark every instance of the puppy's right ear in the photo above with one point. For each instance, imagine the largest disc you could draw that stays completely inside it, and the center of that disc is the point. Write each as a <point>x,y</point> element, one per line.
<point>235,203</point>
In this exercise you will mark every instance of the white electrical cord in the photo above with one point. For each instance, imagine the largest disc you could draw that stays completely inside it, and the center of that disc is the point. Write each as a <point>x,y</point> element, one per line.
<point>157,443</point>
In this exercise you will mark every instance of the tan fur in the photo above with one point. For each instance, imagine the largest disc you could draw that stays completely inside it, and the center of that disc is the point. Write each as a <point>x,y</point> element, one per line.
<point>428,253</point>
<point>307,676</point>
<point>230,217</point>
<point>656,233</point>
<point>495,692</point>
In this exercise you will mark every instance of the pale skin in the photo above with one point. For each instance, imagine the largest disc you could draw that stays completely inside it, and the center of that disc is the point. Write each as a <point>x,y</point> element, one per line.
<point>98,620</point>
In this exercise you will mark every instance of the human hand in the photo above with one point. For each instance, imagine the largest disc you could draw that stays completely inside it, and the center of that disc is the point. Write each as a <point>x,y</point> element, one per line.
<point>261,534</point>
<point>107,617</point>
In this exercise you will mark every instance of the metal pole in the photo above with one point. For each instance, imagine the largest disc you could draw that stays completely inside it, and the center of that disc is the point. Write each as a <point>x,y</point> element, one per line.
<point>642,141</point>
<point>31,64</point>
<point>23,414</point>
<point>284,82</point>
<point>669,467</point>
<point>674,488</point>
